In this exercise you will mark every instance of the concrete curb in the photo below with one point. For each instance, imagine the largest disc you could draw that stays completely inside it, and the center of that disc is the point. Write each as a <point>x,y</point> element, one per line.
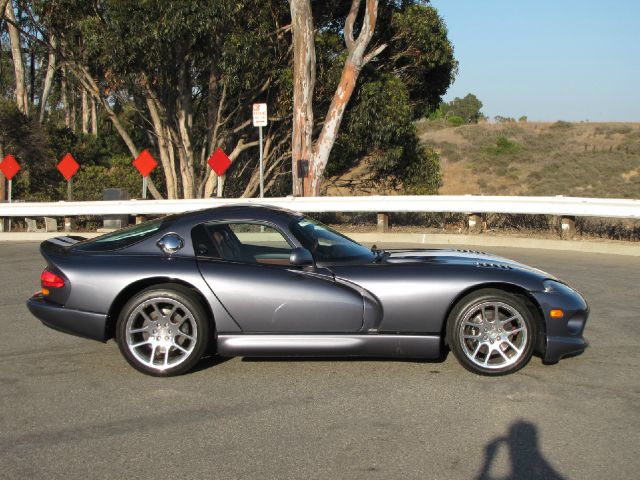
<point>585,246</point>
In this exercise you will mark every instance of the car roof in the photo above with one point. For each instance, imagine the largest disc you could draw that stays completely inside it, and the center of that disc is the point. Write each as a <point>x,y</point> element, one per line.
<point>245,211</point>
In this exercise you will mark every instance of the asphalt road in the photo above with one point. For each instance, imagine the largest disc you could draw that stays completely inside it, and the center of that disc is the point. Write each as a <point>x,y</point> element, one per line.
<point>72,408</point>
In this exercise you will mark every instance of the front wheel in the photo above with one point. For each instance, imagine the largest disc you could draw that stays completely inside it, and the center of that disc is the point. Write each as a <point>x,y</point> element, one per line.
<point>491,332</point>
<point>163,331</point>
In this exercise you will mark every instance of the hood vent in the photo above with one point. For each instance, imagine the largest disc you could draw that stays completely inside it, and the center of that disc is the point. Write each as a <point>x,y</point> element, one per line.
<point>494,265</point>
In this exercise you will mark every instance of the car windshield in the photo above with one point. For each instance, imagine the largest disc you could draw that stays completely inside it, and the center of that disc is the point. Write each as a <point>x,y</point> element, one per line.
<point>123,238</point>
<point>327,245</point>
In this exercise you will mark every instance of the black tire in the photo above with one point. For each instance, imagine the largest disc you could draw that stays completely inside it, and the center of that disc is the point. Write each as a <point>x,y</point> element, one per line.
<point>163,330</point>
<point>489,344</point>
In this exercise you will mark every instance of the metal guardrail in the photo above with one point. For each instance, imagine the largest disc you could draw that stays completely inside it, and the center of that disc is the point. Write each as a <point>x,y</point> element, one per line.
<point>560,206</point>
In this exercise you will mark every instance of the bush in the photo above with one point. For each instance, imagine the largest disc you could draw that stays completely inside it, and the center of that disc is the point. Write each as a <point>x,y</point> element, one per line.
<point>91,180</point>
<point>455,121</point>
<point>503,146</point>
<point>561,125</point>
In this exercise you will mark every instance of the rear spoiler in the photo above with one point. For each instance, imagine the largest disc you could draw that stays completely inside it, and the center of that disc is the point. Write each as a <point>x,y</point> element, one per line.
<point>60,244</point>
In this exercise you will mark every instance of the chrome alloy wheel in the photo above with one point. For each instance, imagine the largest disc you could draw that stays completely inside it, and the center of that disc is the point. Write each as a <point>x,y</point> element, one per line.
<point>493,335</point>
<point>161,333</point>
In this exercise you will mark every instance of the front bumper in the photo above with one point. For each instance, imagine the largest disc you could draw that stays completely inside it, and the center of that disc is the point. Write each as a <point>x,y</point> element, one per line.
<point>563,335</point>
<point>560,347</point>
<point>76,322</point>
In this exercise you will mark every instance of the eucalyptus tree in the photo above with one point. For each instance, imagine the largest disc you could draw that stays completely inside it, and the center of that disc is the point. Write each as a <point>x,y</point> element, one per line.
<point>190,69</point>
<point>401,43</point>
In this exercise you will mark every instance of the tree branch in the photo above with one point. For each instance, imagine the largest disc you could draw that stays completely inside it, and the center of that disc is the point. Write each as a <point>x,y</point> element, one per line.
<point>348,24</point>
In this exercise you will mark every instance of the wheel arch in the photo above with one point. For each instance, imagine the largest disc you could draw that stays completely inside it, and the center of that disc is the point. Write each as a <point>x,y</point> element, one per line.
<point>139,285</point>
<point>532,303</point>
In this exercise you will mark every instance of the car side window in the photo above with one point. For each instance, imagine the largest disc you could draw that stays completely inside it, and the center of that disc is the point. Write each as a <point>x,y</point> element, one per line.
<point>242,242</point>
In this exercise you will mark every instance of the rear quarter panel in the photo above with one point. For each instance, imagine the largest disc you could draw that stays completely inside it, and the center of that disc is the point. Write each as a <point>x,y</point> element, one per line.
<point>97,279</point>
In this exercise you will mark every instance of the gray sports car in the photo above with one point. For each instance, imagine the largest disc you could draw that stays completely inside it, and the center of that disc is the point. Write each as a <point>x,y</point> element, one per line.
<point>263,281</point>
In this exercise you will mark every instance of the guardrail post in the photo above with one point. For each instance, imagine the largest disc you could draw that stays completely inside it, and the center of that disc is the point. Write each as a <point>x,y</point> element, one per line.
<point>475,223</point>
<point>50,224</point>
<point>69,224</point>
<point>567,227</point>
<point>383,222</point>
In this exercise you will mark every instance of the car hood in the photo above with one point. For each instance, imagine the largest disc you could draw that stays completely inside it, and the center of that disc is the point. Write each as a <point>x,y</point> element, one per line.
<point>459,257</point>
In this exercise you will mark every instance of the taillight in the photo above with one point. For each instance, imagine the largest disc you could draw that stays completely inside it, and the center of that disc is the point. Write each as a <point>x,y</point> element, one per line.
<point>50,279</point>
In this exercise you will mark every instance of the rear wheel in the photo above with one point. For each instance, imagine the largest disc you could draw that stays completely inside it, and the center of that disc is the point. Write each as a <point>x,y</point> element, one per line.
<point>491,332</point>
<point>163,331</point>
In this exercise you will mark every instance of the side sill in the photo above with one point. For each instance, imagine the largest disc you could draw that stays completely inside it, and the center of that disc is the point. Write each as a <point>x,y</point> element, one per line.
<point>394,346</point>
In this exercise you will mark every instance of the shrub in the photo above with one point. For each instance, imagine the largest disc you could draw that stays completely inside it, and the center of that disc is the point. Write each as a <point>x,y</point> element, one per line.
<point>502,146</point>
<point>455,120</point>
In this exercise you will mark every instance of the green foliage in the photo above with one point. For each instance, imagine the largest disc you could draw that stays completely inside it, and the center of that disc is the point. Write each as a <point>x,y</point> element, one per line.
<point>91,180</point>
<point>467,108</point>
<point>22,137</point>
<point>420,53</point>
<point>422,175</point>
<point>380,127</point>
<point>503,146</point>
<point>501,119</point>
<point>455,121</point>
<point>523,119</point>
<point>157,44</point>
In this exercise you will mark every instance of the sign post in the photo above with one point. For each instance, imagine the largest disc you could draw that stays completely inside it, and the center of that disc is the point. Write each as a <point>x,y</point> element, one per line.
<point>145,163</point>
<point>68,168</point>
<point>9,167</point>
<point>260,120</point>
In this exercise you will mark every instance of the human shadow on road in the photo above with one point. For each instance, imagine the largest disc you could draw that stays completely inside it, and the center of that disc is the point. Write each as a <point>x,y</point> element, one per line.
<point>525,458</point>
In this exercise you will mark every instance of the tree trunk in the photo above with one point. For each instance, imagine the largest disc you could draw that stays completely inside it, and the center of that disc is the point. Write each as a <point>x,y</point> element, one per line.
<point>304,76</point>
<point>72,106</point>
<point>318,155</point>
<point>65,97</point>
<point>322,148</point>
<point>18,62</point>
<point>88,83</point>
<point>183,135</point>
<point>85,112</point>
<point>240,147</point>
<point>48,78</point>
<point>164,144</point>
<point>32,75</point>
<point>94,117</point>
<point>215,105</point>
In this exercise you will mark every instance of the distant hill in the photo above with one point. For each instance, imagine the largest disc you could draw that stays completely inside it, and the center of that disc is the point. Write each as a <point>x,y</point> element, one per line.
<point>562,158</point>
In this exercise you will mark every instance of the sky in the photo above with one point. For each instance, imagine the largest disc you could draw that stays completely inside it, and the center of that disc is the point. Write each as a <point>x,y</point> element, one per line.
<point>547,59</point>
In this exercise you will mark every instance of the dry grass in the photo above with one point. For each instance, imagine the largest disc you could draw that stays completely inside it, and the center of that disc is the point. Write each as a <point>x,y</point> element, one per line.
<point>562,158</point>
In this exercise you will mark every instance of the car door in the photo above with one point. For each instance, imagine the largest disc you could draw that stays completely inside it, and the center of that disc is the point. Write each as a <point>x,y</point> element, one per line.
<point>246,265</point>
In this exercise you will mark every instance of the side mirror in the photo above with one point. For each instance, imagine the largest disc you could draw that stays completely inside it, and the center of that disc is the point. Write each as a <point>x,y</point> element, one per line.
<point>170,243</point>
<point>301,257</point>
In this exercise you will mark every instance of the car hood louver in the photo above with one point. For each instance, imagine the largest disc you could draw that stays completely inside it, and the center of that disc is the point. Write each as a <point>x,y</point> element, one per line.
<point>494,265</point>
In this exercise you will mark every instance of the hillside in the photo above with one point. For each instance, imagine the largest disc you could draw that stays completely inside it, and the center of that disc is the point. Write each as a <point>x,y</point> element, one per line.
<point>577,159</point>
<point>561,158</point>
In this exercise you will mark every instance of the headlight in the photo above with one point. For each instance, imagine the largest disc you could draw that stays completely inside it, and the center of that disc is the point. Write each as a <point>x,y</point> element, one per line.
<point>552,286</point>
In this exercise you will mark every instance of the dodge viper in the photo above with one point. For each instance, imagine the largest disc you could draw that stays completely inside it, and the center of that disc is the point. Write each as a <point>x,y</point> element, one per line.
<point>249,280</point>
